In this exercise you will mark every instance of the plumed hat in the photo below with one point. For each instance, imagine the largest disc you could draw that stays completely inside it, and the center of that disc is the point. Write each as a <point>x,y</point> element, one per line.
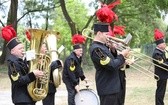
<point>158,36</point>
<point>9,35</point>
<point>28,35</point>
<point>105,13</point>
<point>78,41</point>
<point>102,27</point>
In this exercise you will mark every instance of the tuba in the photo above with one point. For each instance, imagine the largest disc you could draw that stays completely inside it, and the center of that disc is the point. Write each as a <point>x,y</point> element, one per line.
<point>52,47</point>
<point>38,89</point>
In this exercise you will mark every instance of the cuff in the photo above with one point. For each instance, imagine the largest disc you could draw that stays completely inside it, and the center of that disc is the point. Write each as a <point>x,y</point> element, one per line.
<point>32,76</point>
<point>82,77</point>
<point>75,83</point>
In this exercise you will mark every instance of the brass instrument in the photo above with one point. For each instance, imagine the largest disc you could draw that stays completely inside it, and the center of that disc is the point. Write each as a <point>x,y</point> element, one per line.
<point>38,89</point>
<point>88,33</point>
<point>52,48</point>
<point>123,44</point>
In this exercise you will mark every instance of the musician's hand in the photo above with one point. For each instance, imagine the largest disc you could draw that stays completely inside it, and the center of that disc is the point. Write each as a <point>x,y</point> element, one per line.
<point>62,64</point>
<point>86,80</point>
<point>77,88</point>
<point>130,61</point>
<point>38,73</point>
<point>125,52</point>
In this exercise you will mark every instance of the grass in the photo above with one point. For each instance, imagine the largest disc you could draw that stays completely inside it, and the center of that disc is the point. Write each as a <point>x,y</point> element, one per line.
<point>3,68</point>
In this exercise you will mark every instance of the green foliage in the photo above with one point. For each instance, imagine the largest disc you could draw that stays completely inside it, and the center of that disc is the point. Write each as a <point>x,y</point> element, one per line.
<point>78,13</point>
<point>162,5</point>
<point>140,18</point>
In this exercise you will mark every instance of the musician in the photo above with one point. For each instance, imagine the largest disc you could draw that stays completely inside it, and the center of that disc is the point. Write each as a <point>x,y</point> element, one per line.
<point>159,55</point>
<point>72,71</point>
<point>18,68</point>
<point>107,66</point>
<point>50,98</point>
<point>122,74</point>
<point>114,48</point>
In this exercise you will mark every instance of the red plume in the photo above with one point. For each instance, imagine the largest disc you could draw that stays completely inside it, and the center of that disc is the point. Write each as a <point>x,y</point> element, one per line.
<point>117,30</point>
<point>111,33</point>
<point>78,39</point>
<point>28,35</point>
<point>105,14</point>
<point>158,34</point>
<point>8,33</point>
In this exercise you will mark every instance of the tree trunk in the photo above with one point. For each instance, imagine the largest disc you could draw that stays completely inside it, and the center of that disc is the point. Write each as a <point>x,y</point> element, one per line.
<point>3,56</point>
<point>12,19</point>
<point>67,17</point>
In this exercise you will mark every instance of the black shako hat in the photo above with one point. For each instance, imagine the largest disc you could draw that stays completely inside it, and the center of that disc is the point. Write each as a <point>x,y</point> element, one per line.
<point>77,46</point>
<point>102,27</point>
<point>12,43</point>
<point>78,41</point>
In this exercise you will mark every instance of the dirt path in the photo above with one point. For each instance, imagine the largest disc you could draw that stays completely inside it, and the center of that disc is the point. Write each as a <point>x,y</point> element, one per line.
<point>60,97</point>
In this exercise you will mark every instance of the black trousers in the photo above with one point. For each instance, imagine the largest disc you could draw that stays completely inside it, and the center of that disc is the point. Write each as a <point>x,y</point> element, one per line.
<point>160,91</point>
<point>49,100</point>
<point>112,99</point>
<point>123,87</point>
<point>71,93</point>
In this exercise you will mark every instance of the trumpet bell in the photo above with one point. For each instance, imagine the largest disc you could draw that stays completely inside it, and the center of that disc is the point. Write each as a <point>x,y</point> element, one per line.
<point>88,33</point>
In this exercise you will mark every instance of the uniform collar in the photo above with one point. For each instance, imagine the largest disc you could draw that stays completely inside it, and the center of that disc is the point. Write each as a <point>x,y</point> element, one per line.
<point>14,58</point>
<point>96,42</point>
<point>160,49</point>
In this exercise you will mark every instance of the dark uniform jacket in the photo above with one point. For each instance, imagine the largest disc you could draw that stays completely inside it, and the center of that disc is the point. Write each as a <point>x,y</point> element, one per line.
<point>162,61</point>
<point>122,69</point>
<point>54,65</point>
<point>107,76</point>
<point>19,85</point>
<point>70,75</point>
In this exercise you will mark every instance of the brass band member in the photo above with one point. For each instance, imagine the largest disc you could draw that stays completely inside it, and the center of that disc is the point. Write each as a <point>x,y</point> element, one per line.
<point>73,72</point>
<point>107,66</point>
<point>122,74</point>
<point>159,54</point>
<point>119,30</point>
<point>18,69</point>
<point>50,98</point>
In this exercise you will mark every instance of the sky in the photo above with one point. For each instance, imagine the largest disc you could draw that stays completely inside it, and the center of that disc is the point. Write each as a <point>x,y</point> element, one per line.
<point>90,10</point>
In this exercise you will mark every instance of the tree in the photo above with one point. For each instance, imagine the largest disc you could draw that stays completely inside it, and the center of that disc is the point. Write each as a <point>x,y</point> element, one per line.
<point>12,19</point>
<point>30,8</point>
<point>71,20</point>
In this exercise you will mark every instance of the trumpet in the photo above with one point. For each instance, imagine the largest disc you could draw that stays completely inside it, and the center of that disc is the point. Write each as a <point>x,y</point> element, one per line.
<point>88,33</point>
<point>125,41</point>
<point>135,55</point>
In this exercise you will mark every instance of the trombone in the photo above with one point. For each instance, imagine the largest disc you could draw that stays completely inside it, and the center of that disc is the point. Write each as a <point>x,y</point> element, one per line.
<point>134,55</point>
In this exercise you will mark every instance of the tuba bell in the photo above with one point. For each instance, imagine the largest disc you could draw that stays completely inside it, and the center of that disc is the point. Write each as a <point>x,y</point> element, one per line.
<point>52,47</point>
<point>38,89</point>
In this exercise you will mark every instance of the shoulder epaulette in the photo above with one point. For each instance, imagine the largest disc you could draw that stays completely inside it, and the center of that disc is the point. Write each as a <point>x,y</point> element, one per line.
<point>14,74</point>
<point>72,65</point>
<point>104,59</point>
